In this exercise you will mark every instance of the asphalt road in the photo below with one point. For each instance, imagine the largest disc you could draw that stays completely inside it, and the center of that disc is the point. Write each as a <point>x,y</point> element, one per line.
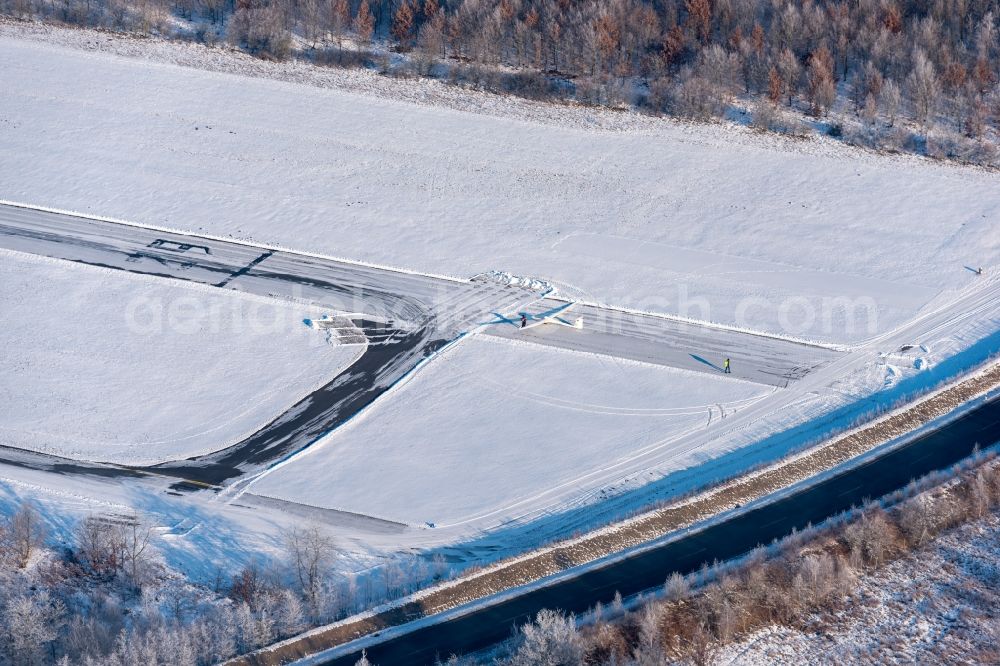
<point>733,537</point>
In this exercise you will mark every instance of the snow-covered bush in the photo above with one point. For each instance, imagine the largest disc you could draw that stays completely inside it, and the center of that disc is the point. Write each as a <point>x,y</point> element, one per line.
<point>551,640</point>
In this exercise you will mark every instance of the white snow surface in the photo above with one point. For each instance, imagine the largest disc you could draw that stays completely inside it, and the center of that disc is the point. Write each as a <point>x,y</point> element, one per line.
<point>495,428</point>
<point>111,366</point>
<point>711,222</point>
<point>707,222</point>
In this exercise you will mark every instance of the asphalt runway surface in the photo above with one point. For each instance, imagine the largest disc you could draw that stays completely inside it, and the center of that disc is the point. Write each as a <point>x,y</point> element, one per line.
<point>405,317</point>
<point>663,341</point>
<point>739,534</point>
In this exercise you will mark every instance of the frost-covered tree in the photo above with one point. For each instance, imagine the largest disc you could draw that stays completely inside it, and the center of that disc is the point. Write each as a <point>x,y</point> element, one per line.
<point>25,533</point>
<point>309,549</point>
<point>32,622</point>
<point>551,640</point>
<point>134,538</point>
<point>289,617</point>
<point>924,87</point>
<point>676,587</point>
<point>890,99</point>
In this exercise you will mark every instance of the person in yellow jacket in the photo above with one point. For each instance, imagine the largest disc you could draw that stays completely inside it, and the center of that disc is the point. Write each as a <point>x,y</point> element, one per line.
<point>725,367</point>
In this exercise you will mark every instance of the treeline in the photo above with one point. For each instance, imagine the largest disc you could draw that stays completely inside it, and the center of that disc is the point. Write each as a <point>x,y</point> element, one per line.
<point>104,595</point>
<point>812,572</point>
<point>933,63</point>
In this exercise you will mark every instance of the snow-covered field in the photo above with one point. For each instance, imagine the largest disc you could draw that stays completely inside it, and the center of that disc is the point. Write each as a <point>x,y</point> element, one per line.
<point>494,429</point>
<point>110,366</point>
<point>800,238</point>
<point>711,222</point>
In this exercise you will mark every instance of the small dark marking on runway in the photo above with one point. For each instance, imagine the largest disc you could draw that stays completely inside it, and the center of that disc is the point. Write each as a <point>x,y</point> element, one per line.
<point>245,269</point>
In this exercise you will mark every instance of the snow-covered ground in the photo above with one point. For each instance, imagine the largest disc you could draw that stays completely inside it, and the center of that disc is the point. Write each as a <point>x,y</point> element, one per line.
<point>800,238</point>
<point>495,432</point>
<point>710,222</point>
<point>110,366</point>
<point>494,429</point>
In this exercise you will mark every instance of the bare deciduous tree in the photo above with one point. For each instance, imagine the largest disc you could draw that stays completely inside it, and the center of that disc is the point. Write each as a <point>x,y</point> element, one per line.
<point>871,536</point>
<point>309,549</point>
<point>25,534</point>
<point>402,24</point>
<point>340,19</point>
<point>249,586</point>
<point>134,537</point>
<point>890,99</point>
<point>916,519</point>
<point>822,88</point>
<point>924,88</point>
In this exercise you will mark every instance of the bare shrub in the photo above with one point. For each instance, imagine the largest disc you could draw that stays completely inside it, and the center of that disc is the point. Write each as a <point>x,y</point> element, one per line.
<point>696,98</point>
<point>249,586</point>
<point>819,573</point>
<point>606,644</point>
<point>872,536</point>
<point>700,646</point>
<point>764,117</point>
<point>259,27</point>
<point>97,546</point>
<point>845,576</point>
<point>920,519</point>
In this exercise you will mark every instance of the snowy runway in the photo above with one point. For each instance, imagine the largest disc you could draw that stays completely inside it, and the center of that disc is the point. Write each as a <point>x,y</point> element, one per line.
<point>760,359</point>
<point>405,317</point>
<point>669,412</point>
